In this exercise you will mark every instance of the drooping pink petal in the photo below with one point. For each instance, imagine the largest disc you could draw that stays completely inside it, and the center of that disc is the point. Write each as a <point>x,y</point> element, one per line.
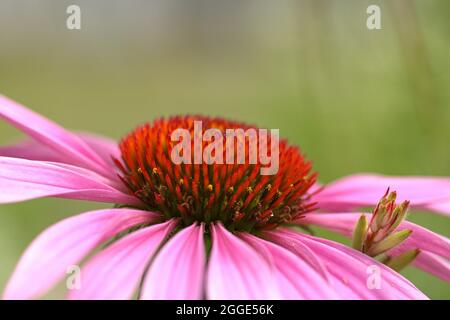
<point>178,270</point>
<point>442,206</point>
<point>52,135</point>
<point>434,264</point>
<point>351,269</point>
<point>295,278</point>
<point>64,244</point>
<point>306,254</point>
<point>236,270</point>
<point>332,280</point>
<point>34,150</point>
<point>421,237</point>
<point>31,150</point>
<point>22,180</point>
<point>115,272</point>
<point>316,187</point>
<point>336,279</point>
<point>105,147</point>
<point>429,193</point>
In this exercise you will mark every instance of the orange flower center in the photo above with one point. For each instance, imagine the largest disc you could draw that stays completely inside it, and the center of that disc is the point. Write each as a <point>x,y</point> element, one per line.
<point>237,193</point>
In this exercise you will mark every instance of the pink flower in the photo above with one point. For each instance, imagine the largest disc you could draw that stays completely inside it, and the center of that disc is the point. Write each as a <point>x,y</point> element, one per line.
<point>199,231</point>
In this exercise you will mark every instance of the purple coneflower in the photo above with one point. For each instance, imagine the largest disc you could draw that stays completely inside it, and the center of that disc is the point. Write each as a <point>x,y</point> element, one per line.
<point>218,231</point>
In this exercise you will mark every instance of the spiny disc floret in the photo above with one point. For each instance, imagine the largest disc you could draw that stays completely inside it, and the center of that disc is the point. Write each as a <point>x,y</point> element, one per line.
<point>235,194</point>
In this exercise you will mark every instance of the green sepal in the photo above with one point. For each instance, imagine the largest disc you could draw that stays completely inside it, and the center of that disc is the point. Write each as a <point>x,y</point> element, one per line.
<point>401,261</point>
<point>359,233</point>
<point>389,242</point>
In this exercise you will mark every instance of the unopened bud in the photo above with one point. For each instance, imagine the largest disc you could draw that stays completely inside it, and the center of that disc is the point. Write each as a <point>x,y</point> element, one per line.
<point>400,215</point>
<point>360,232</point>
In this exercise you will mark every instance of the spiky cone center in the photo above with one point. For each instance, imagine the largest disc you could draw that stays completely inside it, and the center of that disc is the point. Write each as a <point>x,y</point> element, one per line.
<point>236,194</point>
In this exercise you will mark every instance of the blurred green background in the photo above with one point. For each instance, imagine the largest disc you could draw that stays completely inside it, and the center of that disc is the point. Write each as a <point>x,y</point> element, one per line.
<point>354,99</point>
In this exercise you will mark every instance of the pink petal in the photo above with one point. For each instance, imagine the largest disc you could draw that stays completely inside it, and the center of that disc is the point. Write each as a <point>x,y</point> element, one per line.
<point>22,180</point>
<point>433,264</point>
<point>114,273</point>
<point>105,147</point>
<point>47,258</point>
<point>442,206</point>
<point>236,270</point>
<point>306,254</point>
<point>295,278</point>
<point>421,238</point>
<point>178,269</point>
<point>52,135</point>
<point>34,150</point>
<point>340,286</point>
<point>349,268</point>
<point>430,193</point>
<point>316,187</point>
<point>31,150</point>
